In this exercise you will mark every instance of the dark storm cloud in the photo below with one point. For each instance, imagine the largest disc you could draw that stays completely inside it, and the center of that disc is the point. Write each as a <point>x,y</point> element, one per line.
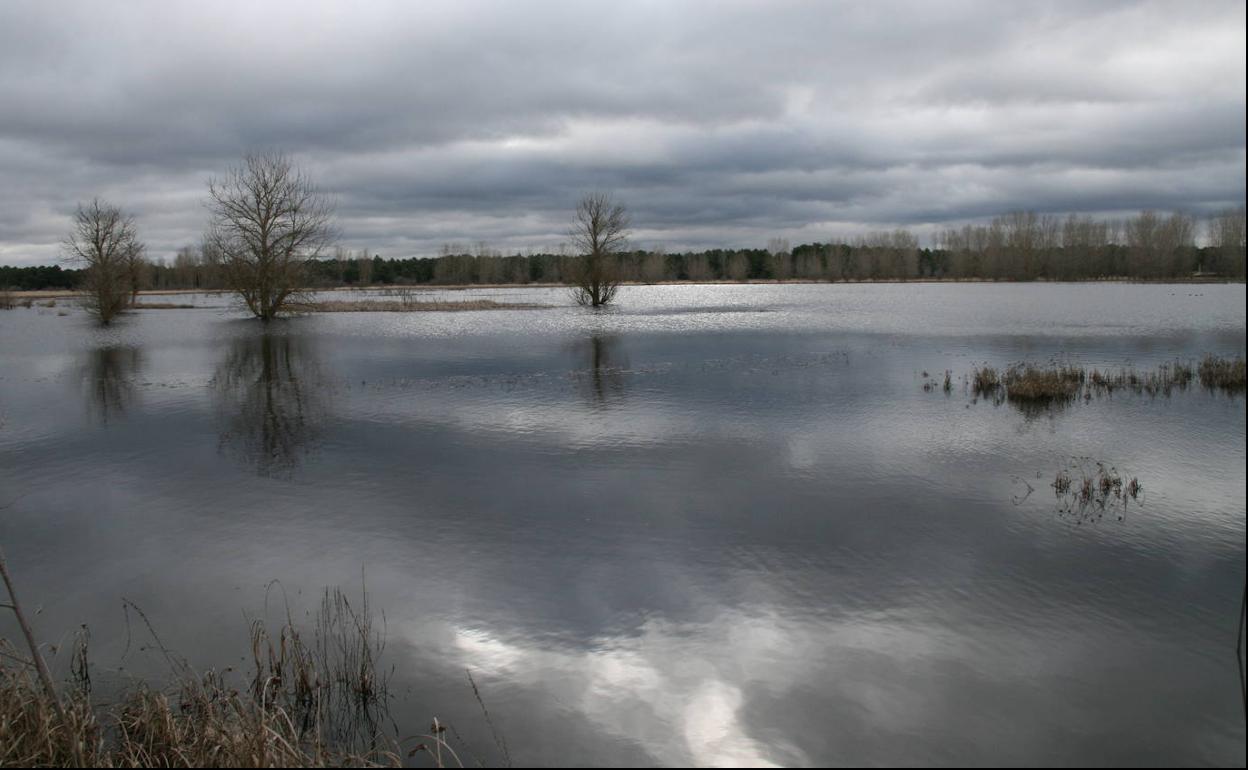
<point>716,123</point>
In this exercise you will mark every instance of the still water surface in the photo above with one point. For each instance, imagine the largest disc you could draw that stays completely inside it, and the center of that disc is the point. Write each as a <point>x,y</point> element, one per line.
<point>716,525</point>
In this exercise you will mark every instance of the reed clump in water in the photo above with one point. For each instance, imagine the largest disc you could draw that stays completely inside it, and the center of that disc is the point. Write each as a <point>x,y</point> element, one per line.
<point>1217,373</point>
<point>985,381</point>
<point>1033,384</point>
<point>1163,380</point>
<point>1036,386</point>
<point>1087,488</point>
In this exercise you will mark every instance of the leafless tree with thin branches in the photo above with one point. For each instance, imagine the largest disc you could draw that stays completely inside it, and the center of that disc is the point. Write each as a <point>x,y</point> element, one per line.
<point>105,241</point>
<point>267,220</point>
<point>599,234</point>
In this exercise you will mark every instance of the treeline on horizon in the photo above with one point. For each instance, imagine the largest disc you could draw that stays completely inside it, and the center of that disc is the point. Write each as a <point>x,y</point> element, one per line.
<point>1021,246</point>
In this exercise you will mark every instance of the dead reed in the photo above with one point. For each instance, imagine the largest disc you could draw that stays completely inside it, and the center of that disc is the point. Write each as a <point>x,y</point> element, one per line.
<point>1087,488</point>
<point>985,381</point>
<point>316,699</point>
<point>1164,380</point>
<point>1034,384</point>
<point>1222,373</point>
<point>1037,386</point>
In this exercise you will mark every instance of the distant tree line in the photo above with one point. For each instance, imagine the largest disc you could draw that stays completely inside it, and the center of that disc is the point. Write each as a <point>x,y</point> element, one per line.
<point>1021,246</point>
<point>38,277</point>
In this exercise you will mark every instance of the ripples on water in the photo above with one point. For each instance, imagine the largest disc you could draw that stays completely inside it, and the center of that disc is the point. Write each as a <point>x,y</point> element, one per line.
<point>715,525</point>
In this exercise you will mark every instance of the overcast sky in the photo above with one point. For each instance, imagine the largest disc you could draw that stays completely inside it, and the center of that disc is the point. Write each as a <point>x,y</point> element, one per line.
<point>716,123</point>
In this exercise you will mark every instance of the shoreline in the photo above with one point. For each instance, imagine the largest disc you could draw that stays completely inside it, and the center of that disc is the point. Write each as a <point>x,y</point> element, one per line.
<point>68,293</point>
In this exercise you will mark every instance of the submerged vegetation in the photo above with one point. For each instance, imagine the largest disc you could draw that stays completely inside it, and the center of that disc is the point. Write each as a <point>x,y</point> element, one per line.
<point>1087,488</point>
<point>1031,385</point>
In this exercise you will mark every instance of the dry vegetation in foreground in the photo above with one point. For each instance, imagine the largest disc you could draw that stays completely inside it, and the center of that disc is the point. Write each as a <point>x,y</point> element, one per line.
<point>1029,385</point>
<point>318,701</point>
<point>413,306</point>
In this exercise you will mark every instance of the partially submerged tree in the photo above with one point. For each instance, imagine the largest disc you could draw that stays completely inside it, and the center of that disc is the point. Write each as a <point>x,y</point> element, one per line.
<point>598,235</point>
<point>268,220</point>
<point>105,241</point>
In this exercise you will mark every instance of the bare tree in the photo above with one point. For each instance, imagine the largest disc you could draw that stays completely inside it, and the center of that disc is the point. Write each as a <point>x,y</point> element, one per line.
<point>105,240</point>
<point>268,220</point>
<point>599,235</point>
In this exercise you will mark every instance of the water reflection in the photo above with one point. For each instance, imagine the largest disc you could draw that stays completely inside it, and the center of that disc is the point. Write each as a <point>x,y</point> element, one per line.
<point>270,401</point>
<point>603,380</point>
<point>693,708</point>
<point>108,377</point>
<point>675,538</point>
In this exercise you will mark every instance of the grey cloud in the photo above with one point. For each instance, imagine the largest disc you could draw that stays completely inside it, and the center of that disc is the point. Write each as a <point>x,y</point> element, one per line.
<point>718,123</point>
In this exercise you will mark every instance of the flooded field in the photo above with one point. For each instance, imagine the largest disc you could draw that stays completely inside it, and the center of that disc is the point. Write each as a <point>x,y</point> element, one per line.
<point>715,525</point>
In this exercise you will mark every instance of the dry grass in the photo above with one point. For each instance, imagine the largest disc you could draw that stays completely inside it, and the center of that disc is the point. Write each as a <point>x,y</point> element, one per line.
<point>411,306</point>
<point>1162,381</point>
<point>985,381</point>
<point>1031,386</point>
<point>1035,385</point>
<point>317,701</point>
<point>7,300</point>
<point>203,724</point>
